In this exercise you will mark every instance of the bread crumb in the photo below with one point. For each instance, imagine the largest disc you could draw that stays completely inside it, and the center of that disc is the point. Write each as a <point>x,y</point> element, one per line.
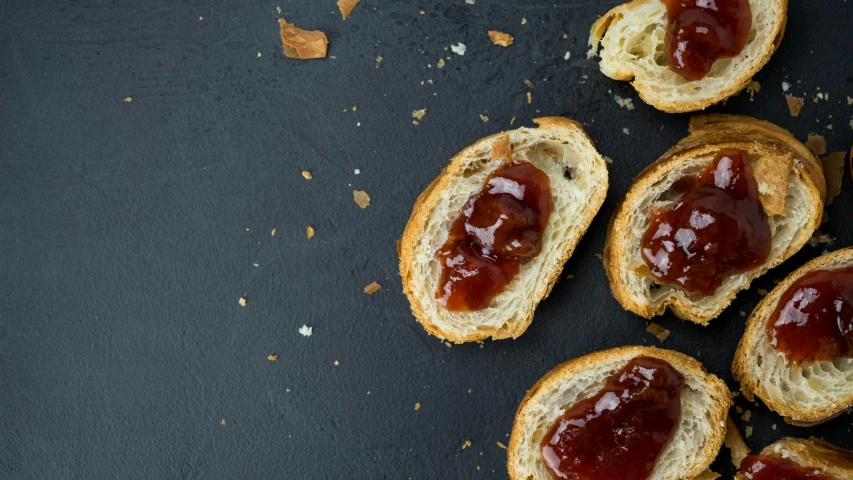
<point>272,358</point>
<point>346,7</point>
<point>567,56</point>
<point>626,131</point>
<point>816,144</point>
<point>302,44</point>
<point>773,426</point>
<point>458,49</point>
<point>259,54</point>
<point>417,406</point>
<point>242,302</point>
<point>419,114</point>
<point>607,159</point>
<point>272,233</point>
<point>484,118</point>
<point>772,177</point>
<point>820,238</point>
<point>200,19</point>
<point>222,421</point>
<point>734,442</point>
<point>742,313</point>
<point>440,63</point>
<point>528,83</point>
<point>501,444</point>
<point>785,86</point>
<point>466,444</point>
<point>247,229</point>
<point>523,21</point>
<point>512,121</point>
<point>529,98</point>
<point>500,39</point>
<point>423,12</point>
<point>278,10</point>
<point>379,60</point>
<point>747,414</point>
<point>748,431</point>
<point>833,172</point>
<point>128,99</point>
<point>372,288</point>
<point>795,104</point>
<point>306,331</point>
<point>600,256</point>
<point>309,232</point>
<point>752,88</point>
<point>356,171</point>
<point>658,331</point>
<point>255,265</point>
<point>470,2</point>
<point>307,175</point>
<point>361,198</point>
<point>762,292</point>
<point>626,103</point>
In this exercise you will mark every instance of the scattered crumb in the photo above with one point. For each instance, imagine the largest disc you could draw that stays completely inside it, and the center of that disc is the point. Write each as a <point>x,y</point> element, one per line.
<point>762,292</point>
<point>260,54</point>
<point>828,127</point>
<point>849,100</point>
<point>423,12</point>
<point>255,265</point>
<point>512,121</point>
<point>785,86</point>
<point>600,256</point>
<point>222,421</point>
<point>567,56</point>
<point>242,302</point>
<point>379,60</point>
<point>458,49</point>
<point>500,39</point>
<point>626,103</point>
<point>752,88</point>
<point>200,19</point>
<point>833,172</point>
<point>309,232</point>
<point>747,414</point>
<point>306,331</point>
<point>528,83</point>
<point>748,431</point>
<point>356,171</point>
<point>346,6</point>
<point>529,98</point>
<point>820,238</point>
<point>336,363</point>
<point>484,118</point>
<point>816,144</point>
<point>440,63</point>
<point>361,198</point>
<point>523,21</point>
<point>742,313</point>
<point>773,426</point>
<point>417,406</point>
<point>470,2</point>
<point>247,229</point>
<point>278,10</point>
<point>466,444</point>
<point>773,183</point>
<point>795,104</point>
<point>272,358</point>
<point>734,442</point>
<point>501,444</point>
<point>272,233</point>
<point>372,288</point>
<point>626,131</point>
<point>607,160</point>
<point>302,44</point>
<point>658,331</point>
<point>355,108</point>
<point>307,175</point>
<point>418,115</point>
<point>128,99</point>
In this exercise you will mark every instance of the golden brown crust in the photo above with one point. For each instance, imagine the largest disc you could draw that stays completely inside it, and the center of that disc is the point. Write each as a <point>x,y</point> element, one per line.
<point>750,386</point>
<point>708,134</point>
<point>719,392</point>
<point>427,201</point>
<point>813,452</point>
<point>599,30</point>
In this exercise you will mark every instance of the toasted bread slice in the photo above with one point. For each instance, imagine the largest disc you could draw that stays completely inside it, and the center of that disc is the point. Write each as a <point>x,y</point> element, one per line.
<point>813,452</point>
<point>796,198</point>
<point>632,35</point>
<point>705,401</point>
<point>805,394</point>
<point>579,180</point>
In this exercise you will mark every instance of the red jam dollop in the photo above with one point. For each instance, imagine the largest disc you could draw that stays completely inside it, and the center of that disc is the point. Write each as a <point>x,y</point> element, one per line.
<point>498,228</point>
<point>717,228</point>
<point>620,431</point>
<point>702,31</point>
<point>764,467</point>
<point>814,318</point>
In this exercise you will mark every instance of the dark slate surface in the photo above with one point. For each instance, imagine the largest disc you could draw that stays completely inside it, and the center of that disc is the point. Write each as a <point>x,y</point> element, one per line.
<point>125,249</point>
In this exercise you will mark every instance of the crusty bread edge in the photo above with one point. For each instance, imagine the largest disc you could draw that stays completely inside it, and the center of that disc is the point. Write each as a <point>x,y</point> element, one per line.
<point>813,452</point>
<point>426,202</point>
<point>704,129</point>
<point>751,386</point>
<point>599,30</point>
<point>719,393</point>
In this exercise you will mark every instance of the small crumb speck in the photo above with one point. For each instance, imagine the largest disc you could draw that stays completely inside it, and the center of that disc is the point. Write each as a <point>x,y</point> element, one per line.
<point>309,232</point>
<point>272,233</point>
<point>259,54</point>
<point>484,118</point>
<point>361,198</point>
<point>523,21</point>
<point>242,302</point>
<point>626,131</point>
<point>307,175</point>
<point>459,49</point>
<point>222,421</point>
<point>272,358</point>
<point>466,444</point>
<point>417,406</point>
<point>336,363</point>
<point>128,99</point>
<point>501,444</point>
<point>306,331</point>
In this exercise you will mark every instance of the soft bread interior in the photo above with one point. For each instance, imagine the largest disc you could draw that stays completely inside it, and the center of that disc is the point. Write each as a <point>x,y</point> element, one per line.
<point>704,402</point>
<point>806,393</point>
<point>813,452</point>
<point>577,173</point>
<point>633,47</point>
<point>787,231</point>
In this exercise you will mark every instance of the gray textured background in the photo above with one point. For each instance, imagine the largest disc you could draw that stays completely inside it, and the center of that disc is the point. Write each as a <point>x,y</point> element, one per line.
<point>124,250</point>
